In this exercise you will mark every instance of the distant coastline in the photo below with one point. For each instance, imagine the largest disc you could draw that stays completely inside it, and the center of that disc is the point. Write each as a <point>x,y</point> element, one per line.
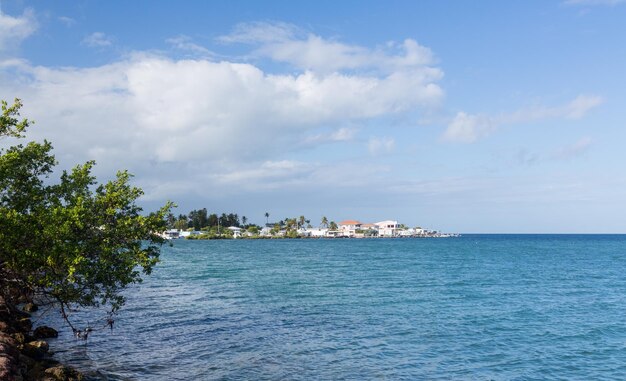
<point>301,228</point>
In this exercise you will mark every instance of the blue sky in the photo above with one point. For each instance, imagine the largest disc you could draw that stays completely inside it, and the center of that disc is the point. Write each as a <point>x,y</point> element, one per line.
<point>486,116</point>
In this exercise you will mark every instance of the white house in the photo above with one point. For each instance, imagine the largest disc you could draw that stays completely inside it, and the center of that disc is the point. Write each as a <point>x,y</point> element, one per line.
<point>387,228</point>
<point>348,228</point>
<point>236,231</point>
<point>185,234</point>
<point>317,232</point>
<point>369,230</point>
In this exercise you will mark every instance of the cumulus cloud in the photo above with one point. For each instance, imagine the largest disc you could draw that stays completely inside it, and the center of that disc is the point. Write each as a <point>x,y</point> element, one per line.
<point>97,40</point>
<point>13,30</point>
<point>197,124</point>
<point>159,116</point>
<point>468,128</point>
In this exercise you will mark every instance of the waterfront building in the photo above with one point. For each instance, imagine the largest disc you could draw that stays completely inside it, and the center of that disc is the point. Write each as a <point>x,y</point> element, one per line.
<point>387,228</point>
<point>348,228</point>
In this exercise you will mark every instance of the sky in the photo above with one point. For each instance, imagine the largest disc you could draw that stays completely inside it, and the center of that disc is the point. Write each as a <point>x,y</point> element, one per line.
<point>466,117</point>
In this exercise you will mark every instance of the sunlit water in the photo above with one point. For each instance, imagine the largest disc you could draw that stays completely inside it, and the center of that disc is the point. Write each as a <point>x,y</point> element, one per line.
<point>475,307</point>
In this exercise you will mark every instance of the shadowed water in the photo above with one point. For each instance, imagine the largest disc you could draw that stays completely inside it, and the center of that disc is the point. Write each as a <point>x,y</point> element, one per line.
<point>476,307</point>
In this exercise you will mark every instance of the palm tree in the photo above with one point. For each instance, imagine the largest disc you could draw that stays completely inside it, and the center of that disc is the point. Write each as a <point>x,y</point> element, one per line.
<point>324,222</point>
<point>171,219</point>
<point>244,219</point>
<point>333,225</point>
<point>267,216</point>
<point>301,221</point>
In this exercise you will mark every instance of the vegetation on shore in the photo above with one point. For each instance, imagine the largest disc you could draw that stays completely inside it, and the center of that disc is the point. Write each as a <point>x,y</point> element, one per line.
<point>214,226</point>
<point>200,225</point>
<point>72,243</point>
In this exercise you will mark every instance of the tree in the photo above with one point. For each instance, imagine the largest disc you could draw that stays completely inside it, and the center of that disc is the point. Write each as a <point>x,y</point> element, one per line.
<point>267,216</point>
<point>275,229</point>
<point>244,221</point>
<point>301,221</point>
<point>182,222</point>
<point>324,222</point>
<point>198,219</point>
<point>171,220</point>
<point>213,220</point>
<point>74,243</point>
<point>333,225</point>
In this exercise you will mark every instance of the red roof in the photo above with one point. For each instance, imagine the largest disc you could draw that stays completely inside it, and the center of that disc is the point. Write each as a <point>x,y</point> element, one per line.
<point>350,222</point>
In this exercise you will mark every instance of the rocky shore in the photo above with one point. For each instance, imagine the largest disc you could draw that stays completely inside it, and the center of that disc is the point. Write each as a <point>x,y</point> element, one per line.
<point>24,354</point>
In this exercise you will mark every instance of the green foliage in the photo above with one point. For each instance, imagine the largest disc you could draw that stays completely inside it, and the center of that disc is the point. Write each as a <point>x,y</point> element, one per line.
<point>324,222</point>
<point>275,229</point>
<point>198,219</point>
<point>75,242</point>
<point>10,124</point>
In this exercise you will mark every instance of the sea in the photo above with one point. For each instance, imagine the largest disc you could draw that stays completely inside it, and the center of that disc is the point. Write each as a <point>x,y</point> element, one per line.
<point>475,307</point>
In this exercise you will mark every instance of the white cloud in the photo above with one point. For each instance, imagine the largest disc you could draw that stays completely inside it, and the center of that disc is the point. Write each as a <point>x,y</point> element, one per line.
<point>467,128</point>
<point>378,146</point>
<point>286,43</point>
<point>269,175</point>
<point>186,43</point>
<point>580,106</point>
<point>223,124</point>
<point>261,32</point>
<point>575,109</point>
<point>343,134</point>
<point>159,117</point>
<point>97,40</point>
<point>13,30</point>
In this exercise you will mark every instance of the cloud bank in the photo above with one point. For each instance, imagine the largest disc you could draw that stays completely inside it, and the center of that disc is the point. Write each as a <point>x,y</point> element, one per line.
<point>219,121</point>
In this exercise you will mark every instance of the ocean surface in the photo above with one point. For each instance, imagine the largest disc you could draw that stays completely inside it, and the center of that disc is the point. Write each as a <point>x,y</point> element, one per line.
<point>478,307</point>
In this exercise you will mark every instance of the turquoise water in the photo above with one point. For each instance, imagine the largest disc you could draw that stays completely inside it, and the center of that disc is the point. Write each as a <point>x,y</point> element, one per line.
<point>476,307</point>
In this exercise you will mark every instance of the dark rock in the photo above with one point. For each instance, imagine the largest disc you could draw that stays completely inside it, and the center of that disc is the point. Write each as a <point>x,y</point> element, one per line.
<point>18,314</point>
<point>8,345</point>
<point>26,362</point>
<point>45,332</point>
<point>63,373</point>
<point>20,337</point>
<point>8,357</point>
<point>35,349</point>
<point>24,324</point>
<point>30,307</point>
<point>8,368</point>
<point>5,327</point>
<point>36,371</point>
